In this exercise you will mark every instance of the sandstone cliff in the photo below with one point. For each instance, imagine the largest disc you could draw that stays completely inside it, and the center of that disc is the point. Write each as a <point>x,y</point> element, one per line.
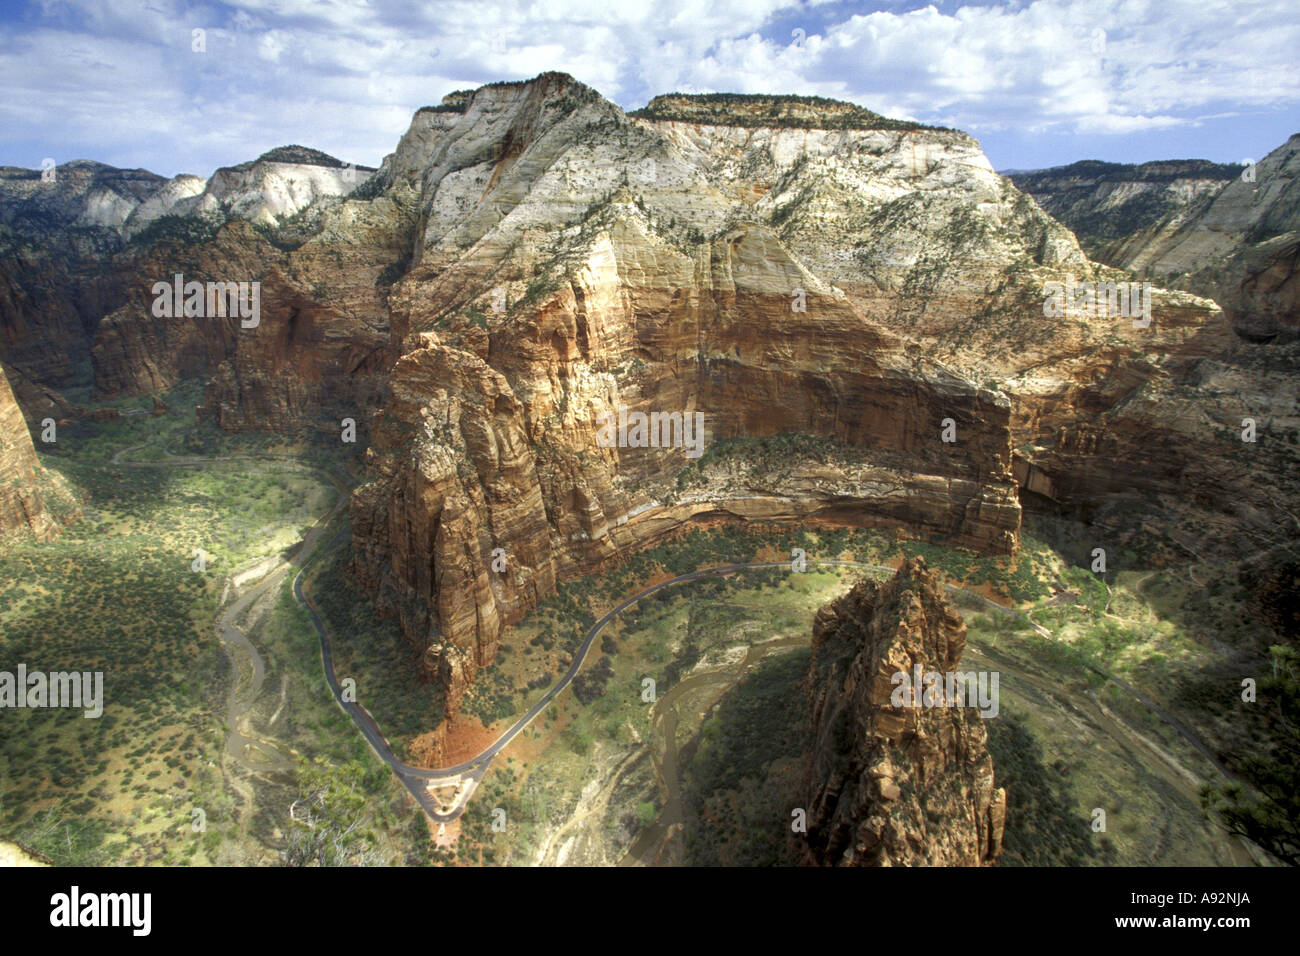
<point>1230,233</point>
<point>32,500</point>
<point>57,242</point>
<point>89,244</point>
<point>884,785</point>
<point>654,261</point>
<point>530,258</point>
<point>570,261</point>
<point>1244,249</point>
<point>1117,209</point>
<point>1161,418</point>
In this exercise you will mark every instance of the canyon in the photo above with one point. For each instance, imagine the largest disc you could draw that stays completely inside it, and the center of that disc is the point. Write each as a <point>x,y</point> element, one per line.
<point>1222,231</point>
<point>530,257</point>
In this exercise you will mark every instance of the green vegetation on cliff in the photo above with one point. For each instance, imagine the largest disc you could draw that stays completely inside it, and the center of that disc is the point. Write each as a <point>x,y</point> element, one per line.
<point>790,112</point>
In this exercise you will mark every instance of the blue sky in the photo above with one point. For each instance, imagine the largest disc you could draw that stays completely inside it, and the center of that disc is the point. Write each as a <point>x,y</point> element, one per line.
<point>1038,83</point>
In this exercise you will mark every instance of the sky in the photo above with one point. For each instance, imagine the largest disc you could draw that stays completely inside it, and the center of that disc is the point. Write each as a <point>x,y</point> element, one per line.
<point>1039,83</point>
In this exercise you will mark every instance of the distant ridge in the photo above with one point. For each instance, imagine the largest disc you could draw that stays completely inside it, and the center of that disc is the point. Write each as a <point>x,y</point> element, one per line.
<point>301,155</point>
<point>760,109</point>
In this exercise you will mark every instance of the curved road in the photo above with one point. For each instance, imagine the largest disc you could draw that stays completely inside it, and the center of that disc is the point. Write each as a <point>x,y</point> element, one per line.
<point>230,636</point>
<point>466,776</point>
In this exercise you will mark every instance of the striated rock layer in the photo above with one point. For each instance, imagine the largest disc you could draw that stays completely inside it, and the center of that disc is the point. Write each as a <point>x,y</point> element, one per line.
<point>81,248</point>
<point>1162,422</point>
<point>570,260</point>
<point>1119,209</point>
<point>530,258</point>
<point>1230,233</point>
<point>32,500</point>
<point>498,448</point>
<point>884,785</point>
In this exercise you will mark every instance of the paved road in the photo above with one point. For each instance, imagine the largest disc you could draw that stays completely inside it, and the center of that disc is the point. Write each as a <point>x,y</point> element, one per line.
<point>467,775</point>
<point>413,778</point>
<point>229,634</point>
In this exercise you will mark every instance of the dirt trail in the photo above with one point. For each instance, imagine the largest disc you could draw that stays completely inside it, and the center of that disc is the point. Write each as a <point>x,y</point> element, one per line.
<point>245,750</point>
<point>1084,708</point>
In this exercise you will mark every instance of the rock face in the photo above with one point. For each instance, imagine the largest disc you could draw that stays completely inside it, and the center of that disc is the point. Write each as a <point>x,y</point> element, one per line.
<point>1164,418</point>
<point>571,261</point>
<point>884,785</point>
<point>90,242</point>
<point>530,259</point>
<point>452,475</point>
<point>1118,209</point>
<point>1243,250</point>
<point>1229,233</point>
<point>497,448</point>
<point>1262,203</point>
<point>319,352</point>
<point>276,185</point>
<point>32,500</point>
<point>57,242</point>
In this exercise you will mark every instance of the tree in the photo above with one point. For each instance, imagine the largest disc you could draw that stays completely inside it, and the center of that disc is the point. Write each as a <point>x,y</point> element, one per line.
<point>1269,814</point>
<point>330,817</point>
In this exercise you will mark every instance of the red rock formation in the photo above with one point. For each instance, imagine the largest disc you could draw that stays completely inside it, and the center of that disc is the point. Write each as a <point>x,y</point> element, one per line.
<point>884,785</point>
<point>541,258</point>
<point>57,243</point>
<point>499,450</point>
<point>135,352</point>
<point>452,477</point>
<point>32,500</point>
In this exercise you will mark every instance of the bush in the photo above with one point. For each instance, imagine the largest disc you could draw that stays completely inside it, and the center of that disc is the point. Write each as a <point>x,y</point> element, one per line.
<point>186,230</point>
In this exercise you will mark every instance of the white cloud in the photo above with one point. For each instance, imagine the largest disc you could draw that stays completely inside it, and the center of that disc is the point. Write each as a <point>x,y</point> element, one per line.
<point>1126,124</point>
<point>116,80</point>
